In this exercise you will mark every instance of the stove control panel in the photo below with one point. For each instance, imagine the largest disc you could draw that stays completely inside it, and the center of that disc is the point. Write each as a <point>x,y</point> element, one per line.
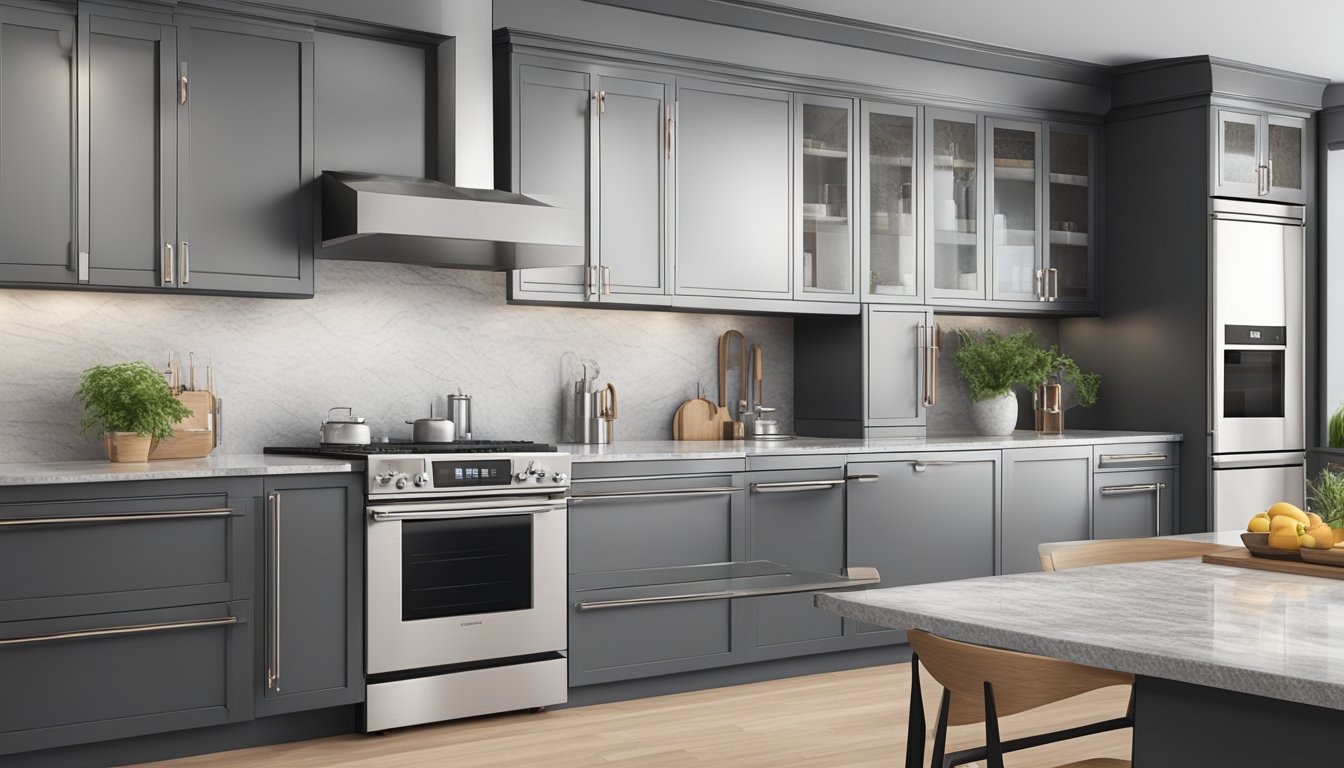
<point>463,473</point>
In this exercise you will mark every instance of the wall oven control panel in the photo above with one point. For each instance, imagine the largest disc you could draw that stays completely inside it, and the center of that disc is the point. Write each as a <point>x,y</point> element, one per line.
<point>465,473</point>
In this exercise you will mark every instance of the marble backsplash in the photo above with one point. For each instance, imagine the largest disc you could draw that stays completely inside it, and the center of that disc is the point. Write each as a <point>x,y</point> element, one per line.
<point>384,339</point>
<point>953,412</point>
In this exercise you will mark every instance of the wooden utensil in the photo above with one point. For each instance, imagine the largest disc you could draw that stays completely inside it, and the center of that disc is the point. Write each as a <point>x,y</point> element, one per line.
<point>730,428</point>
<point>698,419</point>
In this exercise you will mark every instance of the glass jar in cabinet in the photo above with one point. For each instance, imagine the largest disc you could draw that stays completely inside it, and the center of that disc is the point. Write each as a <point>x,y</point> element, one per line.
<point>889,180</point>
<point>1070,264</point>
<point>824,234</point>
<point>956,259</point>
<point>1015,206</point>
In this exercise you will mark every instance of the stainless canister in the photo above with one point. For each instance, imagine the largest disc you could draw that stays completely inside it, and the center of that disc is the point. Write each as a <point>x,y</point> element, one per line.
<point>459,409</point>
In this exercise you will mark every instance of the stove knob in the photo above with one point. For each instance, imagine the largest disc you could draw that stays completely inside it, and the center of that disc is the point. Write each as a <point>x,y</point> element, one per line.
<point>384,479</point>
<point>559,477</point>
<point>522,476</point>
<point>421,480</point>
<point>539,471</point>
<point>401,482</point>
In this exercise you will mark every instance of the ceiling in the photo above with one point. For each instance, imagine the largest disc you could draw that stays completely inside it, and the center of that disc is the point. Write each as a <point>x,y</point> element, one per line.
<point>1301,36</point>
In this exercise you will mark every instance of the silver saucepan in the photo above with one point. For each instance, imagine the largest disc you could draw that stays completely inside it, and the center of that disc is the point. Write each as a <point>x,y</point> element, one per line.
<point>433,430</point>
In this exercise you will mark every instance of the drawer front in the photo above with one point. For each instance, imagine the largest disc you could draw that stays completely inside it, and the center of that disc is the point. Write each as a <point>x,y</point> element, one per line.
<point>645,640</point>
<point>1130,505</point>
<point>1134,455</point>
<point>69,558</point>
<point>125,674</point>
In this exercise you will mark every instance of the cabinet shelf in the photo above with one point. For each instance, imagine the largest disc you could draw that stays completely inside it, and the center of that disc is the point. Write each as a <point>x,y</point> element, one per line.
<point>814,220</point>
<point>1060,237</point>
<point>890,161</point>
<point>1013,173</point>
<point>944,162</point>
<point>828,152</point>
<point>1069,179</point>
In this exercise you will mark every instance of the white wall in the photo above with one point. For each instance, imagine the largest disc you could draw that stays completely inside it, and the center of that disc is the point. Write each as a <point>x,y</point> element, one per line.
<point>384,339</point>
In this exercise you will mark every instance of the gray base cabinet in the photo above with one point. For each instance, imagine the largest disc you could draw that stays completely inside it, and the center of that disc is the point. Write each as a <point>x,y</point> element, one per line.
<point>310,622</point>
<point>1047,496</point>
<point>920,518</point>
<point>1134,504</point>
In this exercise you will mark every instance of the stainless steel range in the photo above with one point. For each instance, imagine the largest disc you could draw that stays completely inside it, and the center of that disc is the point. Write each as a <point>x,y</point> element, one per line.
<point>466,579</point>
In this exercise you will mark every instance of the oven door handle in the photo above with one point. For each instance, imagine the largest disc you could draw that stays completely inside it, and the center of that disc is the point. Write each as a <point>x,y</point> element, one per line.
<point>390,513</point>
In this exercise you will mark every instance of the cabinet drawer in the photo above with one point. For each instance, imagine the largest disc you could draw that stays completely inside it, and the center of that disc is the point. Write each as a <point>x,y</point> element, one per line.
<point>1134,504</point>
<point>1135,455</point>
<point>122,674</point>
<point>645,640</point>
<point>102,555</point>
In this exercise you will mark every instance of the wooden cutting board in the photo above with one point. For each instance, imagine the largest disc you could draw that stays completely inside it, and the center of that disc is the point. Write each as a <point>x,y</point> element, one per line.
<point>1240,557</point>
<point>699,419</point>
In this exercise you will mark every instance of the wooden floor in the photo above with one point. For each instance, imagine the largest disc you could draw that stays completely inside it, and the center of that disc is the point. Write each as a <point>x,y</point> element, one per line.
<point>853,719</point>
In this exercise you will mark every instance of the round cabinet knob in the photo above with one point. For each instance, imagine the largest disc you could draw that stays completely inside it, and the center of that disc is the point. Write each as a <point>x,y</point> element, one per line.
<point>401,482</point>
<point>559,477</point>
<point>421,480</point>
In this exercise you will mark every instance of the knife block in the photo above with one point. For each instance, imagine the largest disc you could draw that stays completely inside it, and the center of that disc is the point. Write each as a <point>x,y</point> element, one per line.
<point>194,436</point>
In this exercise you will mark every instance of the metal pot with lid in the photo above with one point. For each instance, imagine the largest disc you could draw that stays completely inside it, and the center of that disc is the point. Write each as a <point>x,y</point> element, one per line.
<point>348,431</point>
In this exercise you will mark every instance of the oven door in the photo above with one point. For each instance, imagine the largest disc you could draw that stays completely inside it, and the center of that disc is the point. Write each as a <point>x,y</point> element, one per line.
<point>460,581</point>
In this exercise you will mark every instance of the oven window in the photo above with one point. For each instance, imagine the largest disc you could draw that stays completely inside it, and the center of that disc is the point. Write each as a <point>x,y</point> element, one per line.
<point>465,566</point>
<point>1253,383</point>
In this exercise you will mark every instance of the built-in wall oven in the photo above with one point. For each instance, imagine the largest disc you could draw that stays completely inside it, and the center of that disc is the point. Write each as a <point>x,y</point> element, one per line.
<point>1257,374</point>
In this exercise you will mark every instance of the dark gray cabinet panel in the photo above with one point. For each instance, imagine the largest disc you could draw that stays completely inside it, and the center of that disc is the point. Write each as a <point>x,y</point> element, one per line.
<point>37,159</point>
<point>1134,504</point>
<point>733,194</point>
<point>921,518</point>
<point>643,641</point>
<point>311,619</point>
<point>184,667</point>
<point>245,159</point>
<point>802,526</point>
<point>1047,496</point>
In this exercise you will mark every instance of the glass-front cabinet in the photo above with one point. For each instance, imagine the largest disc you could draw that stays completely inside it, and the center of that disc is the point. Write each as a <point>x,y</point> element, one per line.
<point>824,179</point>
<point>1070,263</point>
<point>952,205</point>
<point>889,203</point>
<point>1015,208</point>
<point>1259,155</point>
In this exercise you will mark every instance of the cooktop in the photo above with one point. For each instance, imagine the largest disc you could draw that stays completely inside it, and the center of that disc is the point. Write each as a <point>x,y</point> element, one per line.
<point>406,446</point>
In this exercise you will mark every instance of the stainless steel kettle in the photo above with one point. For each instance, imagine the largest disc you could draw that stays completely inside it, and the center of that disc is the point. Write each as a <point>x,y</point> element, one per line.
<point>348,431</point>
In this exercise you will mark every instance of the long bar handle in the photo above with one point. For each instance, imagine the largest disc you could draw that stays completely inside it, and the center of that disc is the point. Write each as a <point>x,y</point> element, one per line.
<point>691,598</point>
<point>657,494</point>
<point>804,485</point>
<point>671,129</point>
<point>185,264</point>
<point>590,284</point>
<point>1131,458</point>
<point>1041,293</point>
<point>606,279</point>
<point>931,366</point>
<point>132,629</point>
<point>863,478</point>
<point>166,267</point>
<point>1054,282</point>
<point>1153,488</point>
<point>182,89</point>
<point>384,517</point>
<point>273,670</point>
<point>137,517</point>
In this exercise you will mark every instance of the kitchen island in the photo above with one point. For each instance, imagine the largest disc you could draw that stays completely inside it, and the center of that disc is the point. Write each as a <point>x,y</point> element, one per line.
<point>1234,667</point>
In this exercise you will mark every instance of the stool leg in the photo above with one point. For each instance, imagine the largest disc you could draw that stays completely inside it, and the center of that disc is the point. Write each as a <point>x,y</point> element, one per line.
<point>914,736</point>
<point>940,737</point>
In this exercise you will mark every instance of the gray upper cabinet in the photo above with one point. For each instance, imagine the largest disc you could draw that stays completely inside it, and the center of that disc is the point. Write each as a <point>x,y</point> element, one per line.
<point>37,148</point>
<point>311,594</point>
<point>1071,228</point>
<point>1259,155</point>
<point>1047,496</point>
<point>824,232</point>
<point>889,203</point>
<point>245,157</point>
<point>1014,192</point>
<point>733,192</point>
<point>596,139</point>
<point>953,206</point>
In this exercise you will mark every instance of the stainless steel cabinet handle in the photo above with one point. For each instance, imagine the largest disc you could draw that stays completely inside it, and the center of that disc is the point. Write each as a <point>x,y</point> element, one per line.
<point>863,478</point>
<point>182,89</point>
<point>931,335</point>
<point>803,485</point>
<point>671,130</point>
<point>166,268</point>
<point>1041,294</point>
<point>1054,282</point>
<point>920,466</point>
<point>386,517</point>
<point>132,629</point>
<point>273,671</point>
<point>601,102</point>
<point>1153,488</point>
<point>186,262</point>
<point>606,280</point>
<point>1269,176</point>
<point>1131,458</point>
<point>656,494</point>
<point>691,598</point>
<point>590,285</point>
<point>135,517</point>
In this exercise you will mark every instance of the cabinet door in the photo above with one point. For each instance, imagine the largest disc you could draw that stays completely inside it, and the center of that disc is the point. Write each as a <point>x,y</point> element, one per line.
<point>888,204</point>
<point>895,366</point>
<point>1047,496</point>
<point>1015,206</point>
<point>553,150</point>
<point>128,132</point>
<point>824,235</point>
<point>802,526</point>
<point>733,192</point>
<point>952,215</point>
<point>311,622</point>
<point>1286,152</point>
<point>1237,154</point>
<point>37,162</point>
<point>921,518</point>
<point>1071,205</point>
<point>1134,504</point>
<point>245,158</point>
<point>631,239</point>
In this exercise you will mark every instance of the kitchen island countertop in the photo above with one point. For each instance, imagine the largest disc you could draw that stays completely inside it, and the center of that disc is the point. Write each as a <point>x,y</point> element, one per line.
<point>241,465</point>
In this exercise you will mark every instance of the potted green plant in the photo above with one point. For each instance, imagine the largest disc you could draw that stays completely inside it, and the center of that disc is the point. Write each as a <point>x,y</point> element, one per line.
<point>131,405</point>
<point>992,364</point>
<point>1336,436</point>
<point>1054,370</point>
<point>1325,497</point>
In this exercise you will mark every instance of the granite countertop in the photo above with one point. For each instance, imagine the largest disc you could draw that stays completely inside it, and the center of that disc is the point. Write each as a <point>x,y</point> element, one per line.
<point>1258,632</point>
<point>53,472</point>
<point>644,450</point>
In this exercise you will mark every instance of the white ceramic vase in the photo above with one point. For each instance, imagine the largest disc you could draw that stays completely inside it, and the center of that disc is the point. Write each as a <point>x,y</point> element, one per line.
<point>996,416</point>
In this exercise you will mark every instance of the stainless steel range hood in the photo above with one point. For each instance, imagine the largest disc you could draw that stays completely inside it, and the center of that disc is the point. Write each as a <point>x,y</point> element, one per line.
<point>376,217</point>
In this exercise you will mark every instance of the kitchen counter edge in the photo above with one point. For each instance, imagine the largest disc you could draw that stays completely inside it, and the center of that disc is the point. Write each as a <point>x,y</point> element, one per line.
<point>241,465</point>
